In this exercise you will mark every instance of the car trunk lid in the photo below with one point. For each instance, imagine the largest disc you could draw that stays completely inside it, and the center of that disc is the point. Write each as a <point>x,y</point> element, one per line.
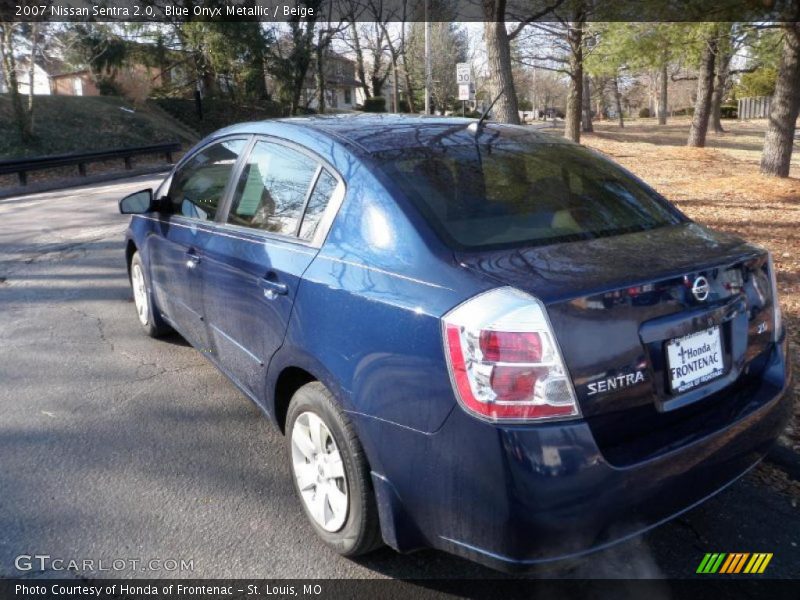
<point>616,303</point>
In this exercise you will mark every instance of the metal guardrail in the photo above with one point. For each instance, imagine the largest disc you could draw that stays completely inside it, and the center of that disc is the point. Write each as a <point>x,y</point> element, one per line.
<point>23,166</point>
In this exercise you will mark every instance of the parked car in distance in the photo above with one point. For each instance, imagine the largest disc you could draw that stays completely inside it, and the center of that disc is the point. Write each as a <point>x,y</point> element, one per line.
<point>476,337</point>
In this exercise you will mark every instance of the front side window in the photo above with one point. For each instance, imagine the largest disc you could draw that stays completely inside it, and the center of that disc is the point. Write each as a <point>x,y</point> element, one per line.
<point>272,189</point>
<point>198,186</point>
<point>511,194</point>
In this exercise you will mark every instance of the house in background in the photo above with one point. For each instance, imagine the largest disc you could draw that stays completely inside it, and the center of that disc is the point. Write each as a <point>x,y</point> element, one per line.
<point>136,81</point>
<point>387,92</point>
<point>340,83</point>
<point>41,80</point>
<point>73,83</point>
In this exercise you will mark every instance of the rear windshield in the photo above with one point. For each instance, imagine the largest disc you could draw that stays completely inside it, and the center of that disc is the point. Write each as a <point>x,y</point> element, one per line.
<point>523,194</point>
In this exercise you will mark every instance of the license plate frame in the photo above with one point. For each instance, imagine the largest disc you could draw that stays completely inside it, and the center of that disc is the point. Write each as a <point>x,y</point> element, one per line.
<point>694,359</point>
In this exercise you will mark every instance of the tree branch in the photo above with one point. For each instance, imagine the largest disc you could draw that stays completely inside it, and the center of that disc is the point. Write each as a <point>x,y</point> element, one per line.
<point>535,17</point>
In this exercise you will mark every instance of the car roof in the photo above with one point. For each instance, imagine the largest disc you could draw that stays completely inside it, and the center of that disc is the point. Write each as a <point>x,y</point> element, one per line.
<point>373,133</point>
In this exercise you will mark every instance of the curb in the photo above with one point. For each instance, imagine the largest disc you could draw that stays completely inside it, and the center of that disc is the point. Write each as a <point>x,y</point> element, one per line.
<point>58,184</point>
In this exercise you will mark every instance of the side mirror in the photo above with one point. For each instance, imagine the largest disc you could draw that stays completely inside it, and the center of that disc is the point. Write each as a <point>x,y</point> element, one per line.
<point>137,203</point>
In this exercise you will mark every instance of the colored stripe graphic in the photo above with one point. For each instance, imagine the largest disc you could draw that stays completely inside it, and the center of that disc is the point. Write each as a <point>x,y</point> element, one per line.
<point>711,562</point>
<point>734,563</point>
<point>758,563</point>
<point>729,562</point>
<point>740,564</point>
<point>703,563</point>
<point>720,562</point>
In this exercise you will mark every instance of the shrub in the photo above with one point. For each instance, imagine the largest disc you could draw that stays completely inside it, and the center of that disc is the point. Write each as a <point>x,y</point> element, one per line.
<point>729,111</point>
<point>106,86</point>
<point>644,113</point>
<point>375,105</point>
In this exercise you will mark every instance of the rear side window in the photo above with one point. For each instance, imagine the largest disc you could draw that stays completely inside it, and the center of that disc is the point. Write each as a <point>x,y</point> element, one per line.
<point>198,186</point>
<point>523,194</point>
<point>323,190</point>
<point>272,189</point>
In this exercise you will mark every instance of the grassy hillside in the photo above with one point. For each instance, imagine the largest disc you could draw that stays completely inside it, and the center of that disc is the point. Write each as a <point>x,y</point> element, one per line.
<point>218,113</point>
<point>65,124</point>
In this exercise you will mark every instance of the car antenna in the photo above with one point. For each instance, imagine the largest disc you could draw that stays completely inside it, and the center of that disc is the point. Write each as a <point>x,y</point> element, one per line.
<point>477,126</point>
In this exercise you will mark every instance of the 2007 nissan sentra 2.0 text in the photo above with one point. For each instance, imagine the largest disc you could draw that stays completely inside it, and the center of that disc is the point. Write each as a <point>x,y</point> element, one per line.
<point>475,337</point>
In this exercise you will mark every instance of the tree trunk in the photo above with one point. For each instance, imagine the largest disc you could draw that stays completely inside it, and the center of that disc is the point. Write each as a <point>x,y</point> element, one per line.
<point>395,85</point>
<point>586,101</point>
<point>409,87</point>
<point>662,97</point>
<point>360,72</point>
<point>377,85</point>
<point>32,73</point>
<point>618,102</point>
<point>705,88</point>
<point>601,86</point>
<point>320,76</point>
<point>10,75</point>
<point>498,48</point>
<point>720,81</point>
<point>572,128</point>
<point>779,140</point>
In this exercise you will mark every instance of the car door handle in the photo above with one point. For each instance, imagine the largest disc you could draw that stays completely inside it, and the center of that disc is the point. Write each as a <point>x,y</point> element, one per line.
<point>192,260</point>
<point>273,288</point>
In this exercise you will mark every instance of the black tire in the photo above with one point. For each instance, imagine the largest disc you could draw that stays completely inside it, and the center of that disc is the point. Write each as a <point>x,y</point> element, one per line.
<point>361,530</point>
<point>153,324</point>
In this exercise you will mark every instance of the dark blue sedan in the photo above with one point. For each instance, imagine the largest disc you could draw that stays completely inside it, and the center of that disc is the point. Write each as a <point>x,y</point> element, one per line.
<point>477,338</point>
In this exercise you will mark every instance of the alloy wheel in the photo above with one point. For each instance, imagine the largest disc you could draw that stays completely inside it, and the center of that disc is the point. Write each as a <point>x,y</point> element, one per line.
<point>140,294</point>
<point>319,471</point>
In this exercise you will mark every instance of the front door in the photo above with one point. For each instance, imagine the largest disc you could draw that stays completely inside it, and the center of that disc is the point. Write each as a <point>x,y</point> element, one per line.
<point>195,194</point>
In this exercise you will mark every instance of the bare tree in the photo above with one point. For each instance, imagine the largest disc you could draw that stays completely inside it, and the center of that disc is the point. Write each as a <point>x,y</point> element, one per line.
<point>618,101</point>
<point>779,141</point>
<point>394,45</point>
<point>404,56</point>
<point>705,88</point>
<point>325,35</point>
<point>498,49</point>
<point>586,122</point>
<point>561,46</point>
<point>359,52</point>
<point>9,33</point>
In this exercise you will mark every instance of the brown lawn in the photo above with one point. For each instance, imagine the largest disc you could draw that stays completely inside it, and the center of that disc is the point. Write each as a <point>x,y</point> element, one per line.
<point>720,186</point>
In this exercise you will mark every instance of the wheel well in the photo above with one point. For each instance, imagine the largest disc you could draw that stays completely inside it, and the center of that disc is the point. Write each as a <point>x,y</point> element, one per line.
<point>289,381</point>
<point>130,249</point>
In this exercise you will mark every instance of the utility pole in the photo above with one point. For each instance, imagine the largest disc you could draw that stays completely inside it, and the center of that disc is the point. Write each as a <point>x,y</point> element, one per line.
<point>427,61</point>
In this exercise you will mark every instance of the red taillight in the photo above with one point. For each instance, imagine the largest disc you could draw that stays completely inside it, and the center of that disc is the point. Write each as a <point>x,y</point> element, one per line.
<point>507,346</point>
<point>458,365</point>
<point>513,383</point>
<point>503,359</point>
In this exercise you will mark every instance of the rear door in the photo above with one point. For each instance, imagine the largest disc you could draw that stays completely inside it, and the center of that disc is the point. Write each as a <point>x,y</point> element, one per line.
<point>196,193</point>
<point>269,233</point>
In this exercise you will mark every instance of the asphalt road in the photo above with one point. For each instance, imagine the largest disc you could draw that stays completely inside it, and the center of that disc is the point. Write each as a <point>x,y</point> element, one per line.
<point>114,445</point>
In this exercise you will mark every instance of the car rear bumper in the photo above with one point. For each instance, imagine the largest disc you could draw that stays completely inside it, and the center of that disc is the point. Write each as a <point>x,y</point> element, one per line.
<point>513,497</point>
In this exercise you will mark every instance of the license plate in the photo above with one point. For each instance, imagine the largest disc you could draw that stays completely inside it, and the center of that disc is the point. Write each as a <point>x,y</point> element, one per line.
<point>695,359</point>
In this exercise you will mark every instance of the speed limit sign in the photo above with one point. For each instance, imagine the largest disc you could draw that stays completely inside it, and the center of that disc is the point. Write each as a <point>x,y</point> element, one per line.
<point>463,75</point>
